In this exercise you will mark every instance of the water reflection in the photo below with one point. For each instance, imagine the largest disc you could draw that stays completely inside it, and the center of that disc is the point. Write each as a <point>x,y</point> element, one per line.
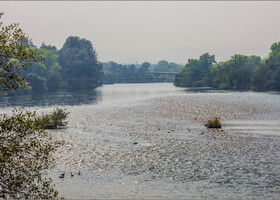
<point>209,90</point>
<point>107,95</point>
<point>157,150</point>
<point>61,98</point>
<point>213,90</point>
<point>199,90</point>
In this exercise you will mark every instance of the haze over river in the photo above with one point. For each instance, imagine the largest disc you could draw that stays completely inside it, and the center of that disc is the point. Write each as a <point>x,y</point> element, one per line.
<point>141,141</point>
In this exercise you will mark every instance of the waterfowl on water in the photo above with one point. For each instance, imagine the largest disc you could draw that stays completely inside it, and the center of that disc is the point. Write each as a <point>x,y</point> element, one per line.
<point>62,175</point>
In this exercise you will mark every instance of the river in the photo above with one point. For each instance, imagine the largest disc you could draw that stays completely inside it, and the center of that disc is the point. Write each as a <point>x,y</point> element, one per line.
<point>147,141</point>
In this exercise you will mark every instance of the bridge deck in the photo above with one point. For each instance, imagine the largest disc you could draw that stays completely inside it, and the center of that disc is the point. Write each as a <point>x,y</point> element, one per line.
<point>167,73</point>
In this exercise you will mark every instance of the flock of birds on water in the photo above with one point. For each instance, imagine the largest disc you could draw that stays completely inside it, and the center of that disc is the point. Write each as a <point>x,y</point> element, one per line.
<point>63,174</point>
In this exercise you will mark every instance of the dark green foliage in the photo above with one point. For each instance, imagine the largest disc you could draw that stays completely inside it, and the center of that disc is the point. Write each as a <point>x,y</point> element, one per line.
<point>259,77</point>
<point>165,66</point>
<point>75,66</point>
<point>54,81</point>
<point>119,73</point>
<point>16,55</point>
<point>239,73</point>
<point>56,117</point>
<point>38,83</point>
<point>196,72</point>
<point>46,76</point>
<point>268,71</point>
<point>213,123</point>
<point>114,72</point>
<point>25,149</point>
<point>80,67</point>
<point>276,79</point>
<point>235,73</point>
<point>145,66</point>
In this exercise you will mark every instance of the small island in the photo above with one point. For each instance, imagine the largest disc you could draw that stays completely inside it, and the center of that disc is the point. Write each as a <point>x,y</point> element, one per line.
<point>55,119</point>
<point>215,123</point>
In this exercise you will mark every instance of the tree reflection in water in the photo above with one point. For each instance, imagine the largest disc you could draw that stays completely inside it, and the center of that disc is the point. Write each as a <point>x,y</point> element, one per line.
<point>61,98</point>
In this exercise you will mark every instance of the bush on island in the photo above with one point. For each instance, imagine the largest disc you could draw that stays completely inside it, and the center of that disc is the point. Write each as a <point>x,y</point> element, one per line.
<point>55,118</point>
<point>214,123</point>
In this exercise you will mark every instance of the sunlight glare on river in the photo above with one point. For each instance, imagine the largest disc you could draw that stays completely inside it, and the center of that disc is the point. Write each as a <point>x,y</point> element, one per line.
<point>148,141</point>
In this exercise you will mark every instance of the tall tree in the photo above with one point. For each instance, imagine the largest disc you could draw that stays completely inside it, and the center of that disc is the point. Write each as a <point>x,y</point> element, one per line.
<point>45,76</point>
<point>196,72</point>
<point>235,73</point>
<point>80,67</point>
<point>268,72</point>
<point>165,66</point>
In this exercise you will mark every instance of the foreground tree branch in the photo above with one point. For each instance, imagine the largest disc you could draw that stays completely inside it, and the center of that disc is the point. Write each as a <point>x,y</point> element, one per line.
<point>25,149</point>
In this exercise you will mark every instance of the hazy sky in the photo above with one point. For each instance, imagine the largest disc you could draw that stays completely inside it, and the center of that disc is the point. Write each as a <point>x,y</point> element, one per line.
<point>130,31</point>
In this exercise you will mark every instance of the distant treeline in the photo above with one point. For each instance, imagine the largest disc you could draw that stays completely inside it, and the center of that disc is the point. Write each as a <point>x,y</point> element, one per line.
<point>74,66</point>
<point>241,72</point>
<point>130,73</point>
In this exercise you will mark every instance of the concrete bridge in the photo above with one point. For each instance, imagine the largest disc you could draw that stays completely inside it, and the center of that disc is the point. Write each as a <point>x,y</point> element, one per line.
<point>163,76</point>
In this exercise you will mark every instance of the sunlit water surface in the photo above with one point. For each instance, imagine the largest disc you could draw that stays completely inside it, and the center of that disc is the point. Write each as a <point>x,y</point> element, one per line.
<point>148,141</point>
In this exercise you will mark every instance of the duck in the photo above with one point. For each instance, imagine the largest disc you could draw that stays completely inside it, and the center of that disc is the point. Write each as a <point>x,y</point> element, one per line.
<point>62,175</point>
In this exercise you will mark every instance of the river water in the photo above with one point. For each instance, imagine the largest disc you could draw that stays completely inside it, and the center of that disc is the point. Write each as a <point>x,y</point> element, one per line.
<point>148,141</point>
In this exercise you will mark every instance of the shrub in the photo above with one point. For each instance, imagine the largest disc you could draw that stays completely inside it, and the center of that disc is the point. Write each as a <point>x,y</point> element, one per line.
<point>215,123</point>
<point>25,152</point>
<point>56,117</point>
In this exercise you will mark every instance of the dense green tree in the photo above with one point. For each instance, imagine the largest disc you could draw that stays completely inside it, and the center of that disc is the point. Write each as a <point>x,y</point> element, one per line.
<point>259,77</point>
<point>46,76</point>
<point>54,80</point>
<point>165,66</point>
<point>25,150</point>
<point>143,72</point>
<point>80,67</point>
<point>16,55</point>
<point>266,75</point>
<point>220,76</point>
<point>196,72</point>
<point>162,66</point>
<point>38,83</point>
<point>53,72</point>
<point>235,73</point>
<point>241,72</point>
<point>273,60</point>
<point>145,66</point>
<point>126,73</point>
<point>254,61</point>
<point>276,80</point>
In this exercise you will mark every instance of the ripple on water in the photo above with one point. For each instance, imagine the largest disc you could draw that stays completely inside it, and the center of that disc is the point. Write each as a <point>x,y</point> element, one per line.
<point>149,152</point>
